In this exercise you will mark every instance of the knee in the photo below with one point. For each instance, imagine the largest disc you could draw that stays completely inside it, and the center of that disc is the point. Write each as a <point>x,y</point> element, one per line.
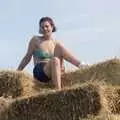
<point>56,61</point>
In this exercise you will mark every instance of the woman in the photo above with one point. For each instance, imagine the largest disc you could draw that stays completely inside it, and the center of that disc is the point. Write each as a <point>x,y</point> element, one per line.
<point>48,55</point>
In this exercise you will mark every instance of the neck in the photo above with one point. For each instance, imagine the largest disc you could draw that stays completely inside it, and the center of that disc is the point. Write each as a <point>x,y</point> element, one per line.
<point>47,37</point>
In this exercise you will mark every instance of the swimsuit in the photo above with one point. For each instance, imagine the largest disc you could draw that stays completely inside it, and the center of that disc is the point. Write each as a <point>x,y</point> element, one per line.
<point>38,70</point>
<point>42,55</point>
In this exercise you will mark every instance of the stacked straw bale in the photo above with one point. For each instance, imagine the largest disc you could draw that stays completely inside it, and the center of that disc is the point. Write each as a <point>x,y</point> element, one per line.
<point>112,96</point>
<point>69,104</point>
<point>10,84</point>
<point>4,108</point>
<point>28,99</point>
<point>108,71</point>
<point>18,84</point>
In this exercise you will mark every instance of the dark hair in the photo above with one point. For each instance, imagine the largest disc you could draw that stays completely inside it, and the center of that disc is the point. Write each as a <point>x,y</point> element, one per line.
<point>43,19</point>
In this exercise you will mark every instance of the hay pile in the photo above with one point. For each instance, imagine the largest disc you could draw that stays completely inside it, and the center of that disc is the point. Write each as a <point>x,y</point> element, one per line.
<point>10,84</point>
<point>4,108</point>
<point>18,84</point>
<point>69,104</point>
<point>112,96</point>
<point>108,71</point>
<point>28,99</point>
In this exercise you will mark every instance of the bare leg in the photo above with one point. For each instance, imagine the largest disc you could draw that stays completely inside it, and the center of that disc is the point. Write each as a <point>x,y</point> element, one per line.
<point>53,67</point>
<point>53,70</point>
<point>56,72</point>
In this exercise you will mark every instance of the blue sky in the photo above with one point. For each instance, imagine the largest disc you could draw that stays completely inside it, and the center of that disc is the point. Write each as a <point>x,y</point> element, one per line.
<point>89,29</point>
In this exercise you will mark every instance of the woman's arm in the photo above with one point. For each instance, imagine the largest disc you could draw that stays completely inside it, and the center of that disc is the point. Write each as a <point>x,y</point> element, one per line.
<point>68,56</point>
<point>26,59</point>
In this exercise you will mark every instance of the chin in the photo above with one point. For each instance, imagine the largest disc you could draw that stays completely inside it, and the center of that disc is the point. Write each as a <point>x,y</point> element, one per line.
<point>47,34</point>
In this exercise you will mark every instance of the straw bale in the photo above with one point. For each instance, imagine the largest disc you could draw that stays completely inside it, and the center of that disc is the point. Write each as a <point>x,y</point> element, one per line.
<point>10,84</point>
<point>112,95</point>
<point>108,70</point>
<point>4,105</point>
<point>69,104</point>
<point>103,117</point>
<point>33,100</point>
<point>18,84</point>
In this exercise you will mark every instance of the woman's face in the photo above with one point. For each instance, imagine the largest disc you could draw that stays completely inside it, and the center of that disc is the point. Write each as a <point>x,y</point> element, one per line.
<point>46,28</point>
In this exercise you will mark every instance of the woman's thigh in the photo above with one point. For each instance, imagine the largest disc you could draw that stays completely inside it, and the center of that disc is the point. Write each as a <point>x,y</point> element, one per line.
<point>47,69</point>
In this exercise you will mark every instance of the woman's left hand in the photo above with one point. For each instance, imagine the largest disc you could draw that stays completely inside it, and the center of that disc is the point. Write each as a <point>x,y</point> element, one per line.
<point>83,66</point>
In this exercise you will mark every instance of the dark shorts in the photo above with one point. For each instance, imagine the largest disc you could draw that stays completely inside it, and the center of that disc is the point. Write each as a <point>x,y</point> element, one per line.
<point>39,73</point>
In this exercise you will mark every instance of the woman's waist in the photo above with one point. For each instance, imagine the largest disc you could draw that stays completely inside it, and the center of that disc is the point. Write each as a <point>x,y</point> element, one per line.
<point>40,62</point>
<point>46,61</point>
<point>37,60</point>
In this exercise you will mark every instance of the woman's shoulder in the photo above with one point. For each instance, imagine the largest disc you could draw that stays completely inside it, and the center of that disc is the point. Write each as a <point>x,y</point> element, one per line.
<point>58,43</point>
<point>35,38</point>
